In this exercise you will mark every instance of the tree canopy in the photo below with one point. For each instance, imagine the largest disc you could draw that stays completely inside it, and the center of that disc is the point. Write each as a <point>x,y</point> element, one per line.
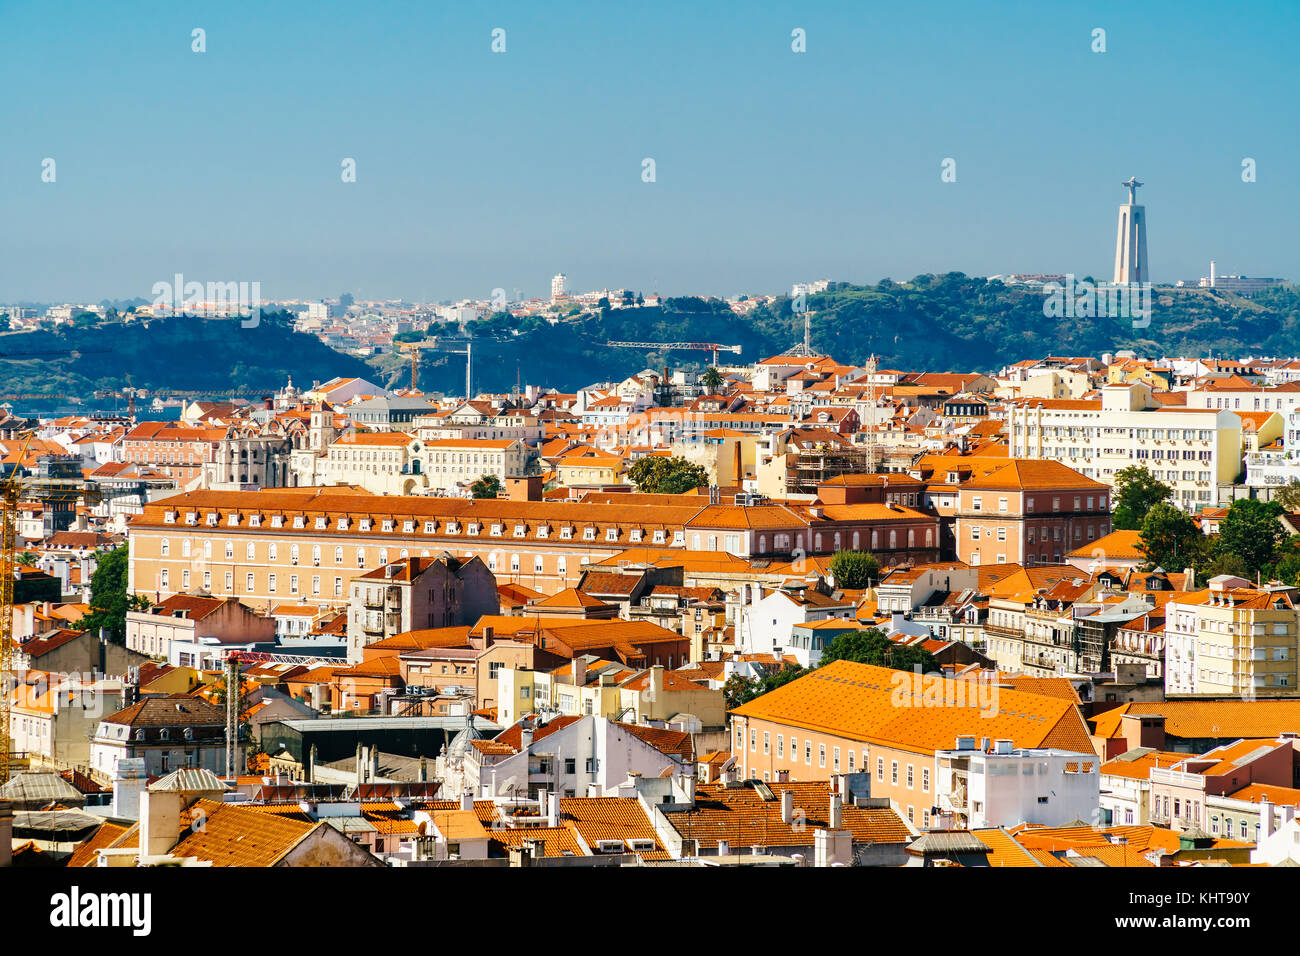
<point>871,646</point>
<point>1251,531</point>
<point>486,486</point>
<point>656,475</point>
<point>1170,539</point>
<point>854,569</point>
<point>109,600</point>
<point>1136,491</point>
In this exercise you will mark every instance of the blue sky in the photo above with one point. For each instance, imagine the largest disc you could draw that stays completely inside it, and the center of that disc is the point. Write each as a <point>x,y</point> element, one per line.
<point>477,170</point>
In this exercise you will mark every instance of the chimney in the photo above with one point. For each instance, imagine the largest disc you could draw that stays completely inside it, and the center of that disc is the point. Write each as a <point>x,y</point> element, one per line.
<point>374,763</point>
<point>358,765</point>
<point>467,800</point>
<point>656,682</point>
<point>526,737</point>
<point>160,821</point>
<point>577,672</point>
<point>724,849</point>
<point>552,809</point>
<point>836,816</point>
<point>424,771</point>
<point>1189,579</point>
<point>1267,821</point>
<point>312,757</point>
<point>128,781</point>
<point>787,806</point>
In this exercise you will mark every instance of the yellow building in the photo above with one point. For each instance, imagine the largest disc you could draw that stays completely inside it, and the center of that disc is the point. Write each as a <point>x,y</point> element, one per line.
<point>1232,639</point>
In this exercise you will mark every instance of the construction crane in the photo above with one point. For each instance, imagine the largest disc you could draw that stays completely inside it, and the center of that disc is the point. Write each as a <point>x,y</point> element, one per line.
<point>60,492</point>
<point>713,347</point>
<point>446,344</point>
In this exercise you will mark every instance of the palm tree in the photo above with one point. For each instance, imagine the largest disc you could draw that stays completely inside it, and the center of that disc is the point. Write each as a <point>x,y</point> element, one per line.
<point>27,559</point>
<point>712,379</point>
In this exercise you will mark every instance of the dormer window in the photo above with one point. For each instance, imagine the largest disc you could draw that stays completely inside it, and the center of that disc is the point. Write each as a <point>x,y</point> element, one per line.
<point>387,526</point>
<point>611,534</point>
<point>169,517</point>
<point>659,537</point>
<point>297,521</point>
<point>343,524</point>
<point>277,521</point>
<point>496,531</point>
<point>408,527</point>
<point>453,527</point>
<point>588,534</point>
<point>543,531</point>
<point>430,527</point>
<point>365,524</point>
<point>322,523</point>
<point>255,521</point>
<point>472,528</point>
<point>232,519</point>
<point>520,530</point>
<point>212,520</point>
<point>635,534</point>
<point>566,533</point>
<point>189,733</point>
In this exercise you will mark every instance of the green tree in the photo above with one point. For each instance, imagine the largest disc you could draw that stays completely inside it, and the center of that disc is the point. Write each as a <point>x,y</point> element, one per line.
<point>712,379</point>
<point>1288,496</point>
<point>1287,569</point>
<point>1225,562</point>
<point>871,646</point>
<point>657,475</point>
<point>486,486</point>
<point>1170,539</point>
<point>27,559</point>
<point>1251,531</point>
<point>740,690</point>
<point>854,569</point>
<point>109,600</point>
<point>1136,491</point>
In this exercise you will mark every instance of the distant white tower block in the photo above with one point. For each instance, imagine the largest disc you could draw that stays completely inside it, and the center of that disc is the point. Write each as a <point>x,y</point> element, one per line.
<point>1131,243</point>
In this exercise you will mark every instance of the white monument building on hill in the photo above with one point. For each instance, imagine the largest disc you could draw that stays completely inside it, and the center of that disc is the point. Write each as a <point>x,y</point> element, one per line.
<point>1131,243</point>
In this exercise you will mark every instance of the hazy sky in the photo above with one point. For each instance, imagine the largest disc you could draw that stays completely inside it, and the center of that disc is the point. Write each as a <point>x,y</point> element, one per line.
<point>478,169</point>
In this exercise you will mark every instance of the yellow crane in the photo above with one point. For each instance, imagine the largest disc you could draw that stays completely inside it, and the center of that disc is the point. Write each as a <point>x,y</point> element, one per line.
<point>10,494</point>
<point>60,492</point>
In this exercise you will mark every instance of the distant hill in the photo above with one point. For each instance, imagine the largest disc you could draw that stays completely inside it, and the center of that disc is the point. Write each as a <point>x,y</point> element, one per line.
<point>933,323</point>
<point>183,353</point>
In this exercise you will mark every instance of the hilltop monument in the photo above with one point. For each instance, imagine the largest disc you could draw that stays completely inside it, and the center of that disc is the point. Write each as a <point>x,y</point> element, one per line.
<point>1131,243</point>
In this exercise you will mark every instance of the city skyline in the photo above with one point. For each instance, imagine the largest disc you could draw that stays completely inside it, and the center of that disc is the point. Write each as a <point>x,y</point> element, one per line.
<point>476,170</point>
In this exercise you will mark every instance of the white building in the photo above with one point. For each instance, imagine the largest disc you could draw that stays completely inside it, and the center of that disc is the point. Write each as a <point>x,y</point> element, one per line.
<point>1190,449</point>
<point>1004,787</point>
<point>767,623</point>
<point>568,756</point>
<point>1279,836</point>
<point>559,287</point>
